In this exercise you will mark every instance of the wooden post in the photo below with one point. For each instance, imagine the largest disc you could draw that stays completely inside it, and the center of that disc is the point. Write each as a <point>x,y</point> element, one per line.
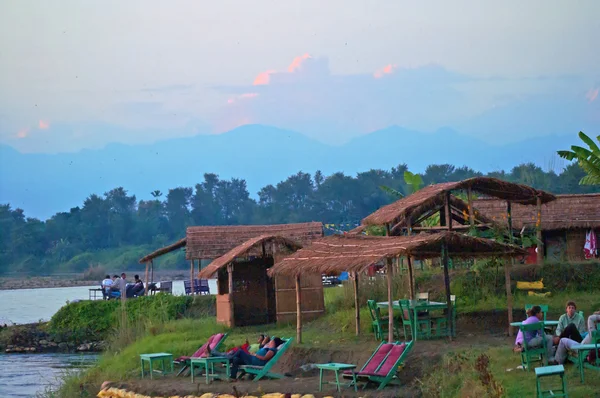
<point>538,226</point>
<point>471,210</point>
<point>447,211</point>
<point>230,287</point>
<point>146,290</point>
<point>509,298</point>
<point>356,303</point>
<point>298,310</point>
<point>507,269</point>
<point>447,284</point>
<point>152,271</point>
<point>390,272</point>
<point>410,277</point>
<point>192,266</point>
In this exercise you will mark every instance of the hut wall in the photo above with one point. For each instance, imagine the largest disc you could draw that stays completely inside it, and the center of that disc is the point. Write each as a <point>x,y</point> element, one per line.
<point>313,303</point>
<point>252,292</point>
<point>555,245</point>
<point>575,243</point>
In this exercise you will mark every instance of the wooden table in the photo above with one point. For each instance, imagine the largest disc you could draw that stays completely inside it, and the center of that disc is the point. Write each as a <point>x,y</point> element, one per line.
<point>160,357</point>
<point>336,368</point>
<point>583,349</point>
<point>416,306</point>
<point>546,323</point>
<point>209,366</point>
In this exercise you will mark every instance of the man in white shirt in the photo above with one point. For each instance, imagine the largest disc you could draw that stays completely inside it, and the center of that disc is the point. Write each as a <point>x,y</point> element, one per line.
<point>106,284</point>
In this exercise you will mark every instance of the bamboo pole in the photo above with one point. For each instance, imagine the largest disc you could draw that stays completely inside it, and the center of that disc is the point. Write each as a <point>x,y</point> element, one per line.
<point>152,271</point>
<point>471,210</point>
<point>538,226</point>
<point>298,310</point>
<point>447,211</point>
<point>356,303</point>
<point>192,266</point>
<point>146,289</point>
<point>230,288</point>
<point>411,277</point>
<point>390,271</point>
<point>447,285</point>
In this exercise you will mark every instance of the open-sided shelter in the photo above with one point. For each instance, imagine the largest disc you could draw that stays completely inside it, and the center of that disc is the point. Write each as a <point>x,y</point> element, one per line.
<point>564,222</point>
<point>212,242</point>
<point>354,254</point>
<point>248,296</point>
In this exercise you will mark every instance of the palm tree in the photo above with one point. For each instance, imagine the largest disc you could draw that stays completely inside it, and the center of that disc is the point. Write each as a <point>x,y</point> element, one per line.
<point>588,159</point>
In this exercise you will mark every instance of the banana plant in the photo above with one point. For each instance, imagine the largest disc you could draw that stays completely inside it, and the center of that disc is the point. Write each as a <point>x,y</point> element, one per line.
<point>588,159</point>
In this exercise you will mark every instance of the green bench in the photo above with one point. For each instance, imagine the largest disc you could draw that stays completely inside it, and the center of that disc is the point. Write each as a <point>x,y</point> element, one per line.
<point>548,371</point>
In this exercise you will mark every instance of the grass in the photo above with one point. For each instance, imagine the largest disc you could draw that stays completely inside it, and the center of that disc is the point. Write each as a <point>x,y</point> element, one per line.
<point>459,376</point>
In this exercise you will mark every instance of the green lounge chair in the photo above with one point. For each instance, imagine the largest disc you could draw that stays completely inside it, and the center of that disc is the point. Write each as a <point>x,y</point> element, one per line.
<point>382,367</point>
<point>529,354</point>
<point>215,341</point>
<point>264,371</point>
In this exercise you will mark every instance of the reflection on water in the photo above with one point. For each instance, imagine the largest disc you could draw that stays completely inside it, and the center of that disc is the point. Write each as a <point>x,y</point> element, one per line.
<point>32,305</point>
<point>25,375</point>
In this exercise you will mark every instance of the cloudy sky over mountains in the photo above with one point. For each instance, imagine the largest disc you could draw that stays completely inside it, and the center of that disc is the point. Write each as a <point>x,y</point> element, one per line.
<point>83,74</point>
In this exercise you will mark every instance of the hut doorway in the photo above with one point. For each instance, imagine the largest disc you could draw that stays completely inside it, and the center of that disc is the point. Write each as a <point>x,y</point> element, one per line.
<point>253,298</point>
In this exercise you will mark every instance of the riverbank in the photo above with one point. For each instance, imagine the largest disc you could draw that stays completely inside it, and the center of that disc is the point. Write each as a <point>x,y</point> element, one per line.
<point>72,280</point>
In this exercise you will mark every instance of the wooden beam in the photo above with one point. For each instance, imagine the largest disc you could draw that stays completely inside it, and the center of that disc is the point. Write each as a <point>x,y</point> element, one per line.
<point>411,279</point>
<point>447,211</point>
<point>538,227</point>
<point>470,203</point>
<point>146,289</point>
<point>152,271</point>
<point>447,285</point>
<point>230,287</point>
<point>356,303</point>
<point>390,273</point>
<point>455,227</point>
<point>298,310</point>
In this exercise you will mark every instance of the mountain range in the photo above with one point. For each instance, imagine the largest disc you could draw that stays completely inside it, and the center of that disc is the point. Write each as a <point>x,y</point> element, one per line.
<point>43,184</point>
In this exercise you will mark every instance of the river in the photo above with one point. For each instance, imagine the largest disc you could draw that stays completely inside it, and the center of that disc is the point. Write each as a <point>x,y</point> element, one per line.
<point>25,375</point>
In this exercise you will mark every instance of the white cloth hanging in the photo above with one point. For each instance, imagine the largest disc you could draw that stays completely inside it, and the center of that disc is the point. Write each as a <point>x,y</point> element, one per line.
<point>590,249</point>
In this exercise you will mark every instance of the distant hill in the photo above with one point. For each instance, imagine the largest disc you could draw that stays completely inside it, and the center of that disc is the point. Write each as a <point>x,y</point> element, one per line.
<point>43,184</point>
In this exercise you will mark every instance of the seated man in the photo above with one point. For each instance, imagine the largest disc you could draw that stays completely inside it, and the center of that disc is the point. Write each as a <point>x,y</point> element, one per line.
<point>571,325</point>
<point>136,288</point>
<point>247,347</point>
<point>106,284</point>
<point>261,357</point>
<point>566,344</point>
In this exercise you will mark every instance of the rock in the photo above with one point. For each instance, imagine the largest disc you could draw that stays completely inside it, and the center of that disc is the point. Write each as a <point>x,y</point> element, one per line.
<point>63,346</point>
<point>84,347</point>
<point>43,342</point>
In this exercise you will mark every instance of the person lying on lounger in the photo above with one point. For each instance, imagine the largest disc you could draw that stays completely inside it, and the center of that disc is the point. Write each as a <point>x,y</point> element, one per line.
<point>246,347</point>
<point>261,357</point>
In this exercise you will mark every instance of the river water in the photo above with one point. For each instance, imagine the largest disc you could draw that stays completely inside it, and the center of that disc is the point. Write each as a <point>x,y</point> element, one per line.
<point>25,375</point>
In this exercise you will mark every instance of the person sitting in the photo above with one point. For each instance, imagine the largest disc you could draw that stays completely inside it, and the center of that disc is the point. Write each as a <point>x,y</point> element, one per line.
<point>106,284</point>
<point>571,325</point>
<point>566,344</point>
<point>261,357</point>
<point>136,288</point>
<point>534,338</point>
<point>247,347</point>
<point>117,286</point>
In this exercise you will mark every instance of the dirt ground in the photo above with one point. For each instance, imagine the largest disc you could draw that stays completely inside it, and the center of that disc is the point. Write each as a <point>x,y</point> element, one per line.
<point>482,330</point>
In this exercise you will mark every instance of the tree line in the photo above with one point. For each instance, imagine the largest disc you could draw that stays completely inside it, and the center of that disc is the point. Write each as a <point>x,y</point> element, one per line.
<point>117,219</point>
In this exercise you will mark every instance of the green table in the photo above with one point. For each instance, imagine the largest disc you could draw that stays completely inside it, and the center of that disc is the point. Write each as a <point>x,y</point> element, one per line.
<point>336,367</point>
<point>582,350</point>
<point>209,366</point>
<point>158,357</point>
<point>546,323</point>
<point>416,306</point>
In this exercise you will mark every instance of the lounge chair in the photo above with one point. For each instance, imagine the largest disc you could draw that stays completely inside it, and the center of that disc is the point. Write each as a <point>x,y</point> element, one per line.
<point>382,366</point>
<point>264,371</point>
<point>213,341</point>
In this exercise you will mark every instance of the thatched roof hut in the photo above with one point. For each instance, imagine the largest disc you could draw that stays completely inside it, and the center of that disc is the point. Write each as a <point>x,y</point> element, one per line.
<point>355,253</point>
<point>335,254</point>
<point>433,197</point>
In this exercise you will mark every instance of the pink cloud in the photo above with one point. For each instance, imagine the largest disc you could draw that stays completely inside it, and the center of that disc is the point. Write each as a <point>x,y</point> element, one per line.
<point>43,125</point>
<point>297,62</point>
<point>386,70</point>
<point>592,94</point>
<point>23,133</point>
<point>263,78</point>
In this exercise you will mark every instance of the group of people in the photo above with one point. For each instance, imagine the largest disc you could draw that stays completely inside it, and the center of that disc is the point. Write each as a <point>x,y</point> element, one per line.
<point>113,287</point>
<point>257,354</point>
<point>571,331</point>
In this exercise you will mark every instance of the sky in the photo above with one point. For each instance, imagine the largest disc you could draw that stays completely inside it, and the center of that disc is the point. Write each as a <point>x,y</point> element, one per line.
<point>81,74</point>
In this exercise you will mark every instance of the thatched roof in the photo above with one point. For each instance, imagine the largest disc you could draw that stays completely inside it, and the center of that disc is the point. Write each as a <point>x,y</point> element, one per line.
<point>433,196</point>
<point>213,242</point>
<point>336,253</point>
<point>163,250</point>
<point>566,212</point>
<point>250,247</point>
